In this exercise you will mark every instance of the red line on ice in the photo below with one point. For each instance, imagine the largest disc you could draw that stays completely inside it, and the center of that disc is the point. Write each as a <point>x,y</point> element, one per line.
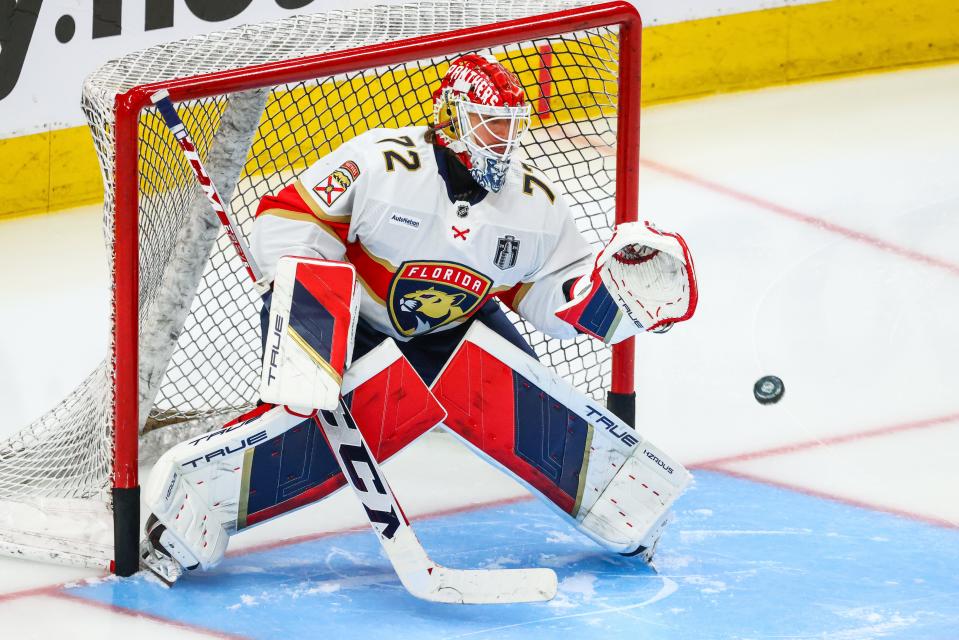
<point>26,593</point>
<point>830,440</point>
<point>939,522</point>
<point>135,613</point>
<point>805,218</point>
<point>56,589</point>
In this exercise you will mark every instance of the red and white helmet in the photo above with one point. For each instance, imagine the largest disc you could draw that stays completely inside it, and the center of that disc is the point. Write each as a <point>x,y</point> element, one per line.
<point>480,113</point>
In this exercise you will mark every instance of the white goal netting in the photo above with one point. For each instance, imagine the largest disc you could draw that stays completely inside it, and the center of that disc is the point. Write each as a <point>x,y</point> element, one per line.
<point>199,345</point>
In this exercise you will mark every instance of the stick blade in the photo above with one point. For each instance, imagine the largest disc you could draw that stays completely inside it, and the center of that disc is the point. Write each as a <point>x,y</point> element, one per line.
<point>490,586</point>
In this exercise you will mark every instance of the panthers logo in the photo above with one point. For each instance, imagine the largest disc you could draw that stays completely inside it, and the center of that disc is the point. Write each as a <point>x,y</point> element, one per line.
<point>427,295</point>
<point>438,305</point>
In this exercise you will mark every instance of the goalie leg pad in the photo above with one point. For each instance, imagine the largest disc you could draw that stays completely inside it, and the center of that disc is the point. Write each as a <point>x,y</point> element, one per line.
<point>188,529</point>
<point>586,463</point>
<point>275,459</point>
<point>392,407</point>
<point>313,314</point>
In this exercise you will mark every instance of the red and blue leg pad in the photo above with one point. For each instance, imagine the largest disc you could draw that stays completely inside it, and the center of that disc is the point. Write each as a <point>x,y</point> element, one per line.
<point>548,436</point>
<point>513,421</point>
<point>392,408</point>
<point>287,472</point>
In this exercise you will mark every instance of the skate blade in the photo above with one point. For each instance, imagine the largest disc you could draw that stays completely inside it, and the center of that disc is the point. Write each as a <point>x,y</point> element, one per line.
<point>166,569</point>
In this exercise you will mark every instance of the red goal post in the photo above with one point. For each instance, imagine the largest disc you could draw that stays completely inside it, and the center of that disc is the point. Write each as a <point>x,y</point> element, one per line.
<point>93,438</point>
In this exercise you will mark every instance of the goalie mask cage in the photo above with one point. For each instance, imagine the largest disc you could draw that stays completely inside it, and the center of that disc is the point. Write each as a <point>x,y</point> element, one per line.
<point>262,102</point>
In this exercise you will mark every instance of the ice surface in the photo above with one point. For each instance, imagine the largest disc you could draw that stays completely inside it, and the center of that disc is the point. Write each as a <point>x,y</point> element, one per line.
<point>823,220</point>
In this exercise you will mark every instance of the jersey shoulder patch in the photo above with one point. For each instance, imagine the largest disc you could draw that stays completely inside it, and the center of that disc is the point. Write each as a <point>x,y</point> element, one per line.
<point>330,181</point>
<point>335,184</point>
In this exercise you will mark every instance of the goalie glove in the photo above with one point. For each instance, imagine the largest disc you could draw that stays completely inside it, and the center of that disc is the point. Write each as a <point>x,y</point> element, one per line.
<point>643,280</point>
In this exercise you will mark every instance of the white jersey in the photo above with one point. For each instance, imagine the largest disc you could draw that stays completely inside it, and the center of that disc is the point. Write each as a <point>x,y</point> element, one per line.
<point>426,263</point>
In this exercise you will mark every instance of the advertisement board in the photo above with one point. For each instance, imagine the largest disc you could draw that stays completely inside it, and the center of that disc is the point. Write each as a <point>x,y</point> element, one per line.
<point>50,46</point>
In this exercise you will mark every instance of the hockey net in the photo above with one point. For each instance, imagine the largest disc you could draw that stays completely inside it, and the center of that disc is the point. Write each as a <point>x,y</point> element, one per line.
<point>262,106</point>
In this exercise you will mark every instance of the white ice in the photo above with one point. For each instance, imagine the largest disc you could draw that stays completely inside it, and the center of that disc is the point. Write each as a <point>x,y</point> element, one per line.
<point>824,220</point>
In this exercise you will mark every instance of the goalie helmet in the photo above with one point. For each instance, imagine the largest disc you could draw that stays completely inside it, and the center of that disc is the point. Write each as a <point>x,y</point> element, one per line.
<point>480,114</point>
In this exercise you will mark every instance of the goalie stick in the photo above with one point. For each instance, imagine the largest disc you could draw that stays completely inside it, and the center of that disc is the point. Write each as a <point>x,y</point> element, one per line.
<point>420,576</point>
<point>172,119</point>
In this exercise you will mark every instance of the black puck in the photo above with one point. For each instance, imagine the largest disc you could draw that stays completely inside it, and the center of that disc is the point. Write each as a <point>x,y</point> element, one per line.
<point>768,390</point>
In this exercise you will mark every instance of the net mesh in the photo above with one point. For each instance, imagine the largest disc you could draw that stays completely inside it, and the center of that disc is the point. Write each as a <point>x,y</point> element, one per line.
<point>199,319</point>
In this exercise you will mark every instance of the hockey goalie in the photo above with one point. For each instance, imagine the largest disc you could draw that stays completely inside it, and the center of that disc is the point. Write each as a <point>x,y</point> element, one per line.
<point>388,261</point>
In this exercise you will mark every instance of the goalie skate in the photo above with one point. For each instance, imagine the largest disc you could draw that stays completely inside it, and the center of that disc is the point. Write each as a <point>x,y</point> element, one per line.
<point>155,558</point>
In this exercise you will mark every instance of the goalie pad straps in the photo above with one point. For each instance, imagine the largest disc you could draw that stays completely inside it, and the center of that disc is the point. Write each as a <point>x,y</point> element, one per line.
<point>275,459</point>
<point>643,280</point>
<point>583,461</point>
<point>313,317</point>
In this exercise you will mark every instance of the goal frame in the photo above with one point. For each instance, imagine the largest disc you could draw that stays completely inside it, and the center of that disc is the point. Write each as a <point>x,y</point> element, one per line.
<point>127,108</point>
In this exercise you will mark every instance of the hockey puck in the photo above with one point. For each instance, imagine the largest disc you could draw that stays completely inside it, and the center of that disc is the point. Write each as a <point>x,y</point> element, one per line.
<point>768,390</point>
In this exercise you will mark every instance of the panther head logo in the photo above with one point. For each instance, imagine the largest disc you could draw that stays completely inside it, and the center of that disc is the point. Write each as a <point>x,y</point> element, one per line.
<point>425,295</point>
<point>437,306</point>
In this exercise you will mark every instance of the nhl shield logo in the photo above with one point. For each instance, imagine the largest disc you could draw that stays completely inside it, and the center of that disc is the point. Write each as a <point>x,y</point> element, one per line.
<point>507,250</point>
<point>429,294</point>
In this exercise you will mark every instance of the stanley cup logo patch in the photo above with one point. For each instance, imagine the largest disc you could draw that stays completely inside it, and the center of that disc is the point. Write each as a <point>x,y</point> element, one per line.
<point>507,250</point>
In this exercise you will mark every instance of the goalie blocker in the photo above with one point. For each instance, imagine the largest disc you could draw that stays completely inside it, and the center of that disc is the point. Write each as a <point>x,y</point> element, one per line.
<point>305,356</point>
<point>312,324</point>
